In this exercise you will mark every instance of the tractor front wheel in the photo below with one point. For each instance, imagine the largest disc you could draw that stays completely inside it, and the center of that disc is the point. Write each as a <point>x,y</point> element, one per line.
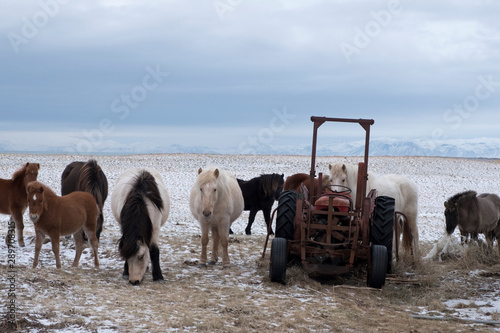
<point>377,273</point>
<point>279,260</point>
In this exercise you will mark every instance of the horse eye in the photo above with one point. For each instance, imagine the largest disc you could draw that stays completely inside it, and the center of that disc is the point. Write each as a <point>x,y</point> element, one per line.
<point>201,189</point>
<point>215,190</point>
<point>141,258</point>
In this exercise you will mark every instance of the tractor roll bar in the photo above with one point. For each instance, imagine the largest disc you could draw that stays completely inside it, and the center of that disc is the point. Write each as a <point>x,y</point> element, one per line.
<point>318,121</point>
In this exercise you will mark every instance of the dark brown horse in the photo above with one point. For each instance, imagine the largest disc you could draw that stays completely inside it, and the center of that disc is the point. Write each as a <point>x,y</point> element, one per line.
<point>260,193</point>
<point>57,216</point>
<point>87,177</point>
<point>13,199</point>
<point>473,214</point>
<point>293,182</point>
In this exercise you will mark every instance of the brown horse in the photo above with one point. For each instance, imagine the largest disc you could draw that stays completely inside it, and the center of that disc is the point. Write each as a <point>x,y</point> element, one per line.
<point>57,216</point>
<point>293,182</point>
<point>13,199</point>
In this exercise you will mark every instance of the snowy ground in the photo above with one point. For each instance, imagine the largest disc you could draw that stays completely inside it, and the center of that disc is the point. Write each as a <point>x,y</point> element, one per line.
<point>48,299</point>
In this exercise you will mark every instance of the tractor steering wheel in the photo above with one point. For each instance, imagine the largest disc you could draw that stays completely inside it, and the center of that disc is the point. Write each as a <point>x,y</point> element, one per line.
<point>338,188</point>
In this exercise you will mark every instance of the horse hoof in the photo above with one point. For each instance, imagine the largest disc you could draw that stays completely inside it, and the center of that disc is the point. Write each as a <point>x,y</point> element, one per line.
<point>158,278</point>
<point>135,283</point>
<point>125,277</point>
<point>202,265</point>
<point>211,263</point>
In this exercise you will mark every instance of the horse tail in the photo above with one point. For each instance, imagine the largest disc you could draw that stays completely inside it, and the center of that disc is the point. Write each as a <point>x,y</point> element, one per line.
<point>407,232</point>
<point>89,181</point>
<point>136,223</point>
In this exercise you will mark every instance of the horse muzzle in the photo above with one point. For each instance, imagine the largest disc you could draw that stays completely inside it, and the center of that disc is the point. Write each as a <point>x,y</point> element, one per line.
<point>207,214</point>
<point>34,217</point>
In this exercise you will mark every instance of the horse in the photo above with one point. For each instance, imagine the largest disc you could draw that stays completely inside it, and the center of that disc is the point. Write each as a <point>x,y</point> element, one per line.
<point>294,182</point>
<point>57,216</point>
<point>87,177</point>
<point>141,205</point>
<point>403,190</point>
<point>259,193</point>
<point>13,199</point>
<point>473,214</point>
<point>215,201</point>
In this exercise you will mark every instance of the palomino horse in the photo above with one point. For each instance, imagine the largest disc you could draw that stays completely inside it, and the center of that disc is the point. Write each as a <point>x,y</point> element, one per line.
<point>13,200</point>
<point>216,201</point>
<point>294,182</point>
<point>140,203</point>
<point>473,214</point>
<point>57,216</point>
<point>259,193</point>
<point>87,177</point>
<point>403,190</point>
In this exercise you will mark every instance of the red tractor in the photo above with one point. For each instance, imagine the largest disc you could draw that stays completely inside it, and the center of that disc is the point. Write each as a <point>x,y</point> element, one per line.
<point>332,233</point>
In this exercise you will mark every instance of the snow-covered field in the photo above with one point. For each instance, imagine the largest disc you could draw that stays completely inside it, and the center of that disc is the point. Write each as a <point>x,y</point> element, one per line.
<point>84,299</point>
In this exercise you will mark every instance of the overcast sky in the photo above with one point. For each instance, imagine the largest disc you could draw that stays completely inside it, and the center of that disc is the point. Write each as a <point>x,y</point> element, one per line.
<point>226,72</point>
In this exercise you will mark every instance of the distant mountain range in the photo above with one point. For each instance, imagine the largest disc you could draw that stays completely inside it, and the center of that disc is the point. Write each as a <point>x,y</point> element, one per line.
<point>469,148</point>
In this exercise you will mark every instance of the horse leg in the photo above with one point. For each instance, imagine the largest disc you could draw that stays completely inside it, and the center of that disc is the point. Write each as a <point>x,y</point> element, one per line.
<point>17,214</point>
<point>100,221</point>
<point>54,240</point>
<point>154,254</point>
<point>215,245</point>
<point>267,217</point>
<point>125,274</point>
<point>39,237</point>
<point>204,243</point>
<point>78,237</point>
<point>94,242</point>
<point>224,242</point>
<point>251,218</point>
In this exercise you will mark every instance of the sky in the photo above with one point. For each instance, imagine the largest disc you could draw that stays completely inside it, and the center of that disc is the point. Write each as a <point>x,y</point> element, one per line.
<point>85,75</point>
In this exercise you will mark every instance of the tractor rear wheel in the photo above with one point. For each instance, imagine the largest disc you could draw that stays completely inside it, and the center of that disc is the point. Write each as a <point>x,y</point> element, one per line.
<point>279,260</point>
<point>287,205</point>
<point>382,231</point>
<point>377,274</point>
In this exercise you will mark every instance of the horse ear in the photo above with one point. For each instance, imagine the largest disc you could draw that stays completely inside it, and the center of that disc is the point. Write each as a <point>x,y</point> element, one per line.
<point>41,189</point>
<point>37,166</point>
<point>216,173</point>
<point>200,170</point>
<point>344,168</point>
<point>446,204</point>
<point>283,175</point>
<point>330,167</point>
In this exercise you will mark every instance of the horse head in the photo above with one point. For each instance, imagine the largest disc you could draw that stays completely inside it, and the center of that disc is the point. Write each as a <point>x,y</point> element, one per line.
<point>451,216</point>
<point>31,172</point>
<point>208,190</point>
<point>35,200</point>
<point>138,263</point>
<point>339,175</point>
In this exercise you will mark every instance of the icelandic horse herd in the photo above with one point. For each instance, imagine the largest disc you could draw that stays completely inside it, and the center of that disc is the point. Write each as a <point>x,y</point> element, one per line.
<point>141,205</point>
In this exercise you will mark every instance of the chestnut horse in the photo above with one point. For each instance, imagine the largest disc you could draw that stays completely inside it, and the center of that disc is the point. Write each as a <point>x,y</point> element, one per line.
<point>13,199</point>
<point>140,203</point>
<point>215,201</point>
<point>87,177</point>
<point>57,216</point>
<point>293,182</point>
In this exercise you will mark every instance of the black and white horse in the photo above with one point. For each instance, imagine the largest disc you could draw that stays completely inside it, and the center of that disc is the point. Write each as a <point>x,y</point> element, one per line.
<point>140,203</point>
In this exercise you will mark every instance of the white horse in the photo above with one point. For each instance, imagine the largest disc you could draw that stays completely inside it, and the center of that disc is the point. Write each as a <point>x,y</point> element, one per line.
<point>403,190</point>
<point>216,201</point>
<point>140,203</point>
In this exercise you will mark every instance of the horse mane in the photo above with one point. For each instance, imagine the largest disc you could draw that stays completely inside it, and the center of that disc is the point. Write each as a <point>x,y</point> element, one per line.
<point>136,224</point>
<point>90,179</point>
<point>270,183</point>
<point>19,174</point>
<point>462,196</point>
